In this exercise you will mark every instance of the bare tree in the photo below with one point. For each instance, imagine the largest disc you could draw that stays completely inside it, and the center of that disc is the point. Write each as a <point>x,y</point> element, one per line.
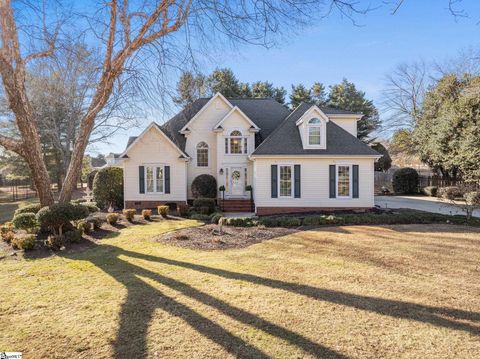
<point>162,29</point>
<point>403,94</point>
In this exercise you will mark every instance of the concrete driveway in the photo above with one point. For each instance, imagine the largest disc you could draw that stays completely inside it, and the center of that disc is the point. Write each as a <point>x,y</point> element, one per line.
<point>428,204</point>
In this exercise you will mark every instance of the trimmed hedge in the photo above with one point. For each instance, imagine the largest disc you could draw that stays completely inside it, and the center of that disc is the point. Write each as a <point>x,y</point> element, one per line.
<point>450,192</point>
<point>204,205</point>
<point>200,217</point>
<point>405,180</point>
<point>31,208</point>
<point>430,191</point>
<point>204,186</point>
<point>112,218</point>
<point>60,214</point>
<point>129,213</point>
<point>147,214</point>
<point>27,221</point>
<point>108,187</point>
<point>24,241</point>
<point>163,211</point>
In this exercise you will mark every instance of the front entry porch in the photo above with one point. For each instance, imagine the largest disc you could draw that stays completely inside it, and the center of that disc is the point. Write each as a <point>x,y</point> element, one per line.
<point>236,205</point>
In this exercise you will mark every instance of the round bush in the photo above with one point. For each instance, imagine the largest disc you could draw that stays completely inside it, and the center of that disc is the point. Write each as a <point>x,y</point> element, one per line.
<point>112,218</point>
<point>129,213</point>
<point>26,221</point>
<point>60,214</point>
<point>204,186</point>
<point>405,180</point>
<point>472,198</point>
<point>25,241</point>
<point>108,187</point>
<point>31,208</point>
<point>450,192</point>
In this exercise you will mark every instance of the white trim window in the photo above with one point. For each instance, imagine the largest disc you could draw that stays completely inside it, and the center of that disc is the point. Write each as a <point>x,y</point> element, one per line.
<point>236,144</point>
<point>344,181</point>
<point>285,181</point>
<point>314,132</point>
<point>154,179</point>
<point>202,154</point>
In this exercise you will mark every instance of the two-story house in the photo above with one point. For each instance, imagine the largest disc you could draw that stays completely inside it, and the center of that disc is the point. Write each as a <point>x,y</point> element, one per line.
<point>304,160</point>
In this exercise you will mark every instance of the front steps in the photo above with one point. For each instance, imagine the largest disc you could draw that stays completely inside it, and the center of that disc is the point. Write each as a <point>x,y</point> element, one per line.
<point>236,205</point>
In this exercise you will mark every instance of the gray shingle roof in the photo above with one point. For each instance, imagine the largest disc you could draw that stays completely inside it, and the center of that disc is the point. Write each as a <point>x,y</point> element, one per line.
<point>278,133</point>
<point>285,140</point>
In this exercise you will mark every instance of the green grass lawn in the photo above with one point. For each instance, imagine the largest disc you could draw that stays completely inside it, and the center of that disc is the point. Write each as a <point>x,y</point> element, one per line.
<point>8,208</point>
<point>359,291</point>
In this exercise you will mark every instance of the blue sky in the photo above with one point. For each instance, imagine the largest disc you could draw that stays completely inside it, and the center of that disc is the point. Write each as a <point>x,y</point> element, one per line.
<point>335,48</point>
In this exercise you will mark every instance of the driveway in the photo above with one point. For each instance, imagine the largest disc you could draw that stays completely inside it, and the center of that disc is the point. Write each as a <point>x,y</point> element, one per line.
<point>428,204</point>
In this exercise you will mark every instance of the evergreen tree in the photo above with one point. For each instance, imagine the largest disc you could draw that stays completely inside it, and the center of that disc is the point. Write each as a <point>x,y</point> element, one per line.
<point>318,93</point>
<point>300,94</point>
<point>189,88</point>
<point>225,82</point>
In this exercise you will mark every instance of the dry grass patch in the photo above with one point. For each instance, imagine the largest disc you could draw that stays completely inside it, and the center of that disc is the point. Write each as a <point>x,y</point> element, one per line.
<point>359,291</point>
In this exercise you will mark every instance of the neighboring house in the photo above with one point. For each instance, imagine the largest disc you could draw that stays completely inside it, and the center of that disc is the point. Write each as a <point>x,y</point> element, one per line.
<point>112,159</point>
<point>306,160</point>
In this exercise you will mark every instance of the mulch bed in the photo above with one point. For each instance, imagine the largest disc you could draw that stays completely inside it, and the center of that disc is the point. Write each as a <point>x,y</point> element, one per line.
<point>203,237</point>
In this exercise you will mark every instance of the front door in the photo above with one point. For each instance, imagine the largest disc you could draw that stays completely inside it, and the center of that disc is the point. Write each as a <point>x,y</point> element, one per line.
<point>237,184</point>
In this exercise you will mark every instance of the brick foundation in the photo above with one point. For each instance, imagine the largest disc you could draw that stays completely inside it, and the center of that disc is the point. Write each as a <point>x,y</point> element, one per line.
<point>149,204</point>
<point>266,211</point>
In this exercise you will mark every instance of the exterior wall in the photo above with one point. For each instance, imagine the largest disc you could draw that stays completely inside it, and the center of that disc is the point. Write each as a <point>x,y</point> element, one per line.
<point>314,182</point>
<point>153,148</point>
<point>348,124</point>
<point>202,130</point>
<point>234,122</point>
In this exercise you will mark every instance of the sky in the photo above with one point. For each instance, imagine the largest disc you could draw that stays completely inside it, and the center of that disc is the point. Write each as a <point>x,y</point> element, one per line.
<point>364,52</point>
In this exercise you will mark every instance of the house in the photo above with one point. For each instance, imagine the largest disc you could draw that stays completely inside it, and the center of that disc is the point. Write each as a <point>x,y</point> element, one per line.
<point>304,160</point>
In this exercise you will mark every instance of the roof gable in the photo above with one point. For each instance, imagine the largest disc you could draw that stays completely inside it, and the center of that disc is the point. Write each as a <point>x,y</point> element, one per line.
<point>242,114</point>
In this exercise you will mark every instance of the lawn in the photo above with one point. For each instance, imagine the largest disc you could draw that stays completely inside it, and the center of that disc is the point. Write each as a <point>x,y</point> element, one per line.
<point>344,292</point>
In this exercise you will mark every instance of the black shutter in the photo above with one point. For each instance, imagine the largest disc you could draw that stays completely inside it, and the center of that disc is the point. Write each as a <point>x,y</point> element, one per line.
<point>141,179</point>
<point>296,176</point>
<point>274,182</point>
<point>355,181</point>
<point>167,179</point>
<point>332,181</point>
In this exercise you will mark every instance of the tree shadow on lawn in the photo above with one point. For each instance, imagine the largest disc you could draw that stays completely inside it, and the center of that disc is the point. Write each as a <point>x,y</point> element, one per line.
<point>143,299</point>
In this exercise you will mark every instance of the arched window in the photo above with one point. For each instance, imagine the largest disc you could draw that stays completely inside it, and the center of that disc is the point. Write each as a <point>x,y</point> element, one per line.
<point>314,131</point>
<point>202,154</point>
<point>235,143</point>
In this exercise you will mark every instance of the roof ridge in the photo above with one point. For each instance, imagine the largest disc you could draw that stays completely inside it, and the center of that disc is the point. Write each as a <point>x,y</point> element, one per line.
<point>277,128</point>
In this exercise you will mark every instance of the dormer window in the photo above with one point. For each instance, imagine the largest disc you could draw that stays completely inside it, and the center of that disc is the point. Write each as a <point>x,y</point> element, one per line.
<point>314,132</point>
<point>235,143</point>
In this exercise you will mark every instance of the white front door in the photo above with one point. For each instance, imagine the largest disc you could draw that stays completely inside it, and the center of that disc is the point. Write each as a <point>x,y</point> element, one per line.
<point>237,182</point>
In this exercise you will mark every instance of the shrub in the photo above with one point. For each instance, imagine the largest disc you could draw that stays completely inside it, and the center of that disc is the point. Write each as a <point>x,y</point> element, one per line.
<point>26,221</point>
<point>84,226</point>
<point>55,241</point>
<point>96,222</point>
<point>163,211</point>
<point>6,231</point>
<point>147,214</point>
<point>430,191</point>
<point>450,192</point>
<point>405,180</point>
<point>182,210</point>
<point>79,200</point>
<point>200,217</point>
<point>108,187</point>
<point>314,220</point>
<point>209,203</point>
<point>215,217</point>
<point>129,213</point>
<point>92,208</point>
<point>24,241</point>
<point>31,208</point>
<point>60,214</point>
<point>239,222</point>
<point>74,236</point>
<point>472,198</point>
<point>204,186</point>
<point>112,218</point>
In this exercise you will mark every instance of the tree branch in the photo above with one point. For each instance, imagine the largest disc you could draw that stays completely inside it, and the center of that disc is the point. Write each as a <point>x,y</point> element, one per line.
<point>12,145</point>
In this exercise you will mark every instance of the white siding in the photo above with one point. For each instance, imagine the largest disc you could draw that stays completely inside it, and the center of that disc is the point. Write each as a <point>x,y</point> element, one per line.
<point>348,124</point>
<point>153,148</point>
<point>314,183</point>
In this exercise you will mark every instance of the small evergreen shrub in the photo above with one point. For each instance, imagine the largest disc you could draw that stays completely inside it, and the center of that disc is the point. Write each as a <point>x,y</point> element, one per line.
<point>163,211</point>
<point>182,210</point>
<point>108,187</point>
<point>450,192</point>
<point>6,231</point>
<point>84,226</point>
<point>112,218</point>
<point>26,221</point>
<point>200,217</point>
<point>405,181</point>
<point>74,236</point>
<point>204,186</point>
<point>96,222</point>
<point>208,205</point>
<point>79,200</point>
<point>129,214</point>
<point>24,241</point>
<point>60,214</point>
<point>92,208</point>
<point>31,208</point>
<point>430,191</point>
<point>239,222</point>
<point>147,214</point>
